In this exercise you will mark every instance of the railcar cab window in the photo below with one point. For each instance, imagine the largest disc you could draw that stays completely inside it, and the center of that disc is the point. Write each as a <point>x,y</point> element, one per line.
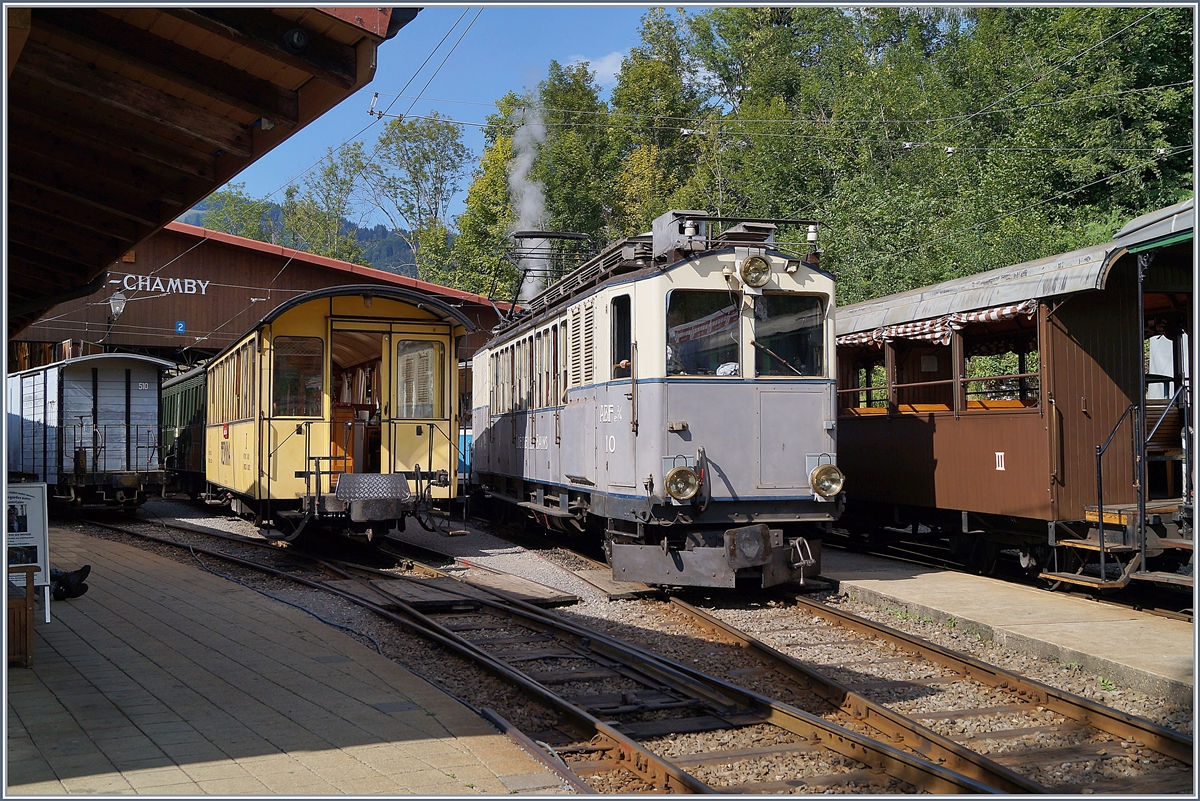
<point>702,333</point>
<point>789,335</point>
<point>419,376</point>
<point>622,337</point>
<point>298,377</point>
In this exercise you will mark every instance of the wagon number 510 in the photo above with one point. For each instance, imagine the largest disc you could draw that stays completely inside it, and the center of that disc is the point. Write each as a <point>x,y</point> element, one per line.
<point>143,385</point>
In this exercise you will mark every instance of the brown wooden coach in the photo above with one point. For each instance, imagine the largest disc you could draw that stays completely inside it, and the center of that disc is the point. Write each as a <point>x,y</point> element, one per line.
<point>975,409</point>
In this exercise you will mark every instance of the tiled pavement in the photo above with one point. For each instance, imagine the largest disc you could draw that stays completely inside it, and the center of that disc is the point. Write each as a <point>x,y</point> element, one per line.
<point>164,679</point>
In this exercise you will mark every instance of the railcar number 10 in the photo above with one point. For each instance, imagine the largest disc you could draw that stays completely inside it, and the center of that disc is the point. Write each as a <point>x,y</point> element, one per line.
<point>674,396</point>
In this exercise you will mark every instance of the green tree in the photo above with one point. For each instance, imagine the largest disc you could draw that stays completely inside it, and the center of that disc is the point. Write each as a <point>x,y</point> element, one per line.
<point>655,107</point>
<point>232,211</point>
<point>488,217</point>
<point>577,163</point>
<point>321,217</point>
<point>417,170</point>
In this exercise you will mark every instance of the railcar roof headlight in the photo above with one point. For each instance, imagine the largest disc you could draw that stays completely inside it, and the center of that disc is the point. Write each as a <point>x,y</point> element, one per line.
<point>755,271</point>
<point>826,480</point>
<point>682,483</point>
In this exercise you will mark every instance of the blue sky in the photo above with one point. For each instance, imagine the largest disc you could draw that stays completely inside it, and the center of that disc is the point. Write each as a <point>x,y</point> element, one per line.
<point>505,49</point>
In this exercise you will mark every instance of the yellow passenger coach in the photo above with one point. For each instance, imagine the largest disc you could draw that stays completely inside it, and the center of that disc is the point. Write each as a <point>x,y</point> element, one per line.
<point>337,411</point>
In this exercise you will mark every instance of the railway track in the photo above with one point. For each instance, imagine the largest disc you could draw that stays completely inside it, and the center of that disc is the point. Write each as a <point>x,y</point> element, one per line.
<point>625,717</point>
<point>1024,736</point>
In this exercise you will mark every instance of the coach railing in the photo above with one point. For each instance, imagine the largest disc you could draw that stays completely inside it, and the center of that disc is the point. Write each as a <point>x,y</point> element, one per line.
<point>1131,413</point>
<point>321,467</point>
<point>90,450</point>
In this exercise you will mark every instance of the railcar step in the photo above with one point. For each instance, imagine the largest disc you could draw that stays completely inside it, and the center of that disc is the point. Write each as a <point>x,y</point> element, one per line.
<point>1086,581</point>
<point>1166,578</point>
<point>1171,542</point>
<point>1093,545</point>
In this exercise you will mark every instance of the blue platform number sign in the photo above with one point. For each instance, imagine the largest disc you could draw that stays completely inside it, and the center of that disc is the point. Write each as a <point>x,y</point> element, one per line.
<point>180,327</point>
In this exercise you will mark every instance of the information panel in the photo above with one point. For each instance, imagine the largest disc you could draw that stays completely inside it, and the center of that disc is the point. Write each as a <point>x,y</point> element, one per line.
<point>26,532</point>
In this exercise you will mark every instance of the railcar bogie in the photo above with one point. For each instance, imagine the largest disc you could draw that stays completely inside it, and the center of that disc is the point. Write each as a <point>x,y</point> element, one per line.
<point>672,397</point>
<point>88,428</point>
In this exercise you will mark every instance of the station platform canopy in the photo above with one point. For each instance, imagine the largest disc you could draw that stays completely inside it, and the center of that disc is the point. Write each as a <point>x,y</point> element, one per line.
<point>121,119</point>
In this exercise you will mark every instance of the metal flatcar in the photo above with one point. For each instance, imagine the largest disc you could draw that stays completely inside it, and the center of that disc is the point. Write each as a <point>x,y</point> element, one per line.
<point>1012,411</point>
<point>88,427</point>
<point>675,396</point>
<point>337,411</point>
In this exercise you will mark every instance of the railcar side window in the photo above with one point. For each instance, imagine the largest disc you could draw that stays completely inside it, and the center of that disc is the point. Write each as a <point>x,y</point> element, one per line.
<point>622,336</point>
<point>702,333</point>
<point>298,376</point>
<point>1002,368</point>
<point>420,375</point>
<point>789,335</point>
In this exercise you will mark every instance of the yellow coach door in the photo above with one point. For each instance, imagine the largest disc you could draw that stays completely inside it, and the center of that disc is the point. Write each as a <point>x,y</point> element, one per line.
<point>420,419</point>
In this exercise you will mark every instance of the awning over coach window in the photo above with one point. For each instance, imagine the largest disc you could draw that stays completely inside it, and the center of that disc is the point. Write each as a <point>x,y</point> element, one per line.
<point>938,329</point>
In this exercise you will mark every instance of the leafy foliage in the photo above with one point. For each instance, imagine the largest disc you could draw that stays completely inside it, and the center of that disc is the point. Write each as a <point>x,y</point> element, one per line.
<point>931,143</point>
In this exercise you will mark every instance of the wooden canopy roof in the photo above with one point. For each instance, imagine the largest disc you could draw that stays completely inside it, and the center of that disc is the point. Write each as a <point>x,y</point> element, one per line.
<point>120,119</point>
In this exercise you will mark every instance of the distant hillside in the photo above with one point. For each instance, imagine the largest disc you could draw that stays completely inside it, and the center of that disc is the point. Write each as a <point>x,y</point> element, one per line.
<point>383,249</point>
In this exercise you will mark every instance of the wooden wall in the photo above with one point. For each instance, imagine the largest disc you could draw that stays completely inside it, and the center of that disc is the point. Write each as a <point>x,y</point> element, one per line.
<point>217,290</point>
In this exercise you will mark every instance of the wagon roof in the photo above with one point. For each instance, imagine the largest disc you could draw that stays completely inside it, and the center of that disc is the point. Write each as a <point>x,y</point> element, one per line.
<point>95,357</point>
<point>1173,222</point>
<point>417,298</point>
<point>1086,268</point>
<point>1081,269</point>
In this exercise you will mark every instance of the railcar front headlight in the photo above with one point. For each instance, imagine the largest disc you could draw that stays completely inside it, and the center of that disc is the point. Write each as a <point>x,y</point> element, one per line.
<point>826,480</point>
<point>755,271</point>
<point>682,483</point>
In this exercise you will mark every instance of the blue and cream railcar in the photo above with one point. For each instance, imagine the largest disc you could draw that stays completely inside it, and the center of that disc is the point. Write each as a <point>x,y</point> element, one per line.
<point>88,427</point>
<point>338,409</point>
<point>676,396</point>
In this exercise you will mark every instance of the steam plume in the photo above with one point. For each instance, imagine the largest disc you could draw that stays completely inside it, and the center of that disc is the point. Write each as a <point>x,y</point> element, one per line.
<point>528,196</point>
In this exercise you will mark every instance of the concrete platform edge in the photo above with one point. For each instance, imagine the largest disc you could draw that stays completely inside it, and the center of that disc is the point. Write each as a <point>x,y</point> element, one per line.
<point>1122,675</point>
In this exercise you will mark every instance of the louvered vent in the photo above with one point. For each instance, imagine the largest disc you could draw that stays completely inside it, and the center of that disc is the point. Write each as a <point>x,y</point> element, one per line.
<point>589,341</point>
<point>576,356</point>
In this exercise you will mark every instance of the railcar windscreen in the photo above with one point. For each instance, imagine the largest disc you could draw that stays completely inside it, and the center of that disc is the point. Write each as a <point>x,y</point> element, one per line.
<point>298,377</point>
<point>791,332</point>
<point>419,377</point>
<point>702,333</point>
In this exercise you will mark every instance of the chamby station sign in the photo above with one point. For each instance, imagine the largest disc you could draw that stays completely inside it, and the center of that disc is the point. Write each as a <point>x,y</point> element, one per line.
<point>168,286</point>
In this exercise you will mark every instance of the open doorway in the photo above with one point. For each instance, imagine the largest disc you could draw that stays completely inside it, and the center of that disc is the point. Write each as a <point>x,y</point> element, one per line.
<point>356,386</point>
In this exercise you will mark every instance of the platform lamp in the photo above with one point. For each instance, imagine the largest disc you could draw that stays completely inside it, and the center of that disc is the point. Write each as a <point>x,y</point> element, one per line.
<point>116,305</point>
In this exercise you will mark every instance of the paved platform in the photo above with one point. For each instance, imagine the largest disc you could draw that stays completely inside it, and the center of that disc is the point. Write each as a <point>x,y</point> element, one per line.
<point>1133,649</point>
<point>165,679</point>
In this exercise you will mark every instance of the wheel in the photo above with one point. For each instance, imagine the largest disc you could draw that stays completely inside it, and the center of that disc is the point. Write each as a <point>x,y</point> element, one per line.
<point>607,547</point>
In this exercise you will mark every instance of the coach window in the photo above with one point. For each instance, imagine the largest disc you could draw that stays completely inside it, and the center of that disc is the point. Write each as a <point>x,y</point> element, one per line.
<point>862,381</point>
<point>1002,369</point>
<point>924,376</point>
<point>622,337</point>
<point>298,377</point>
<point>789,335</point>
<point>420,376</point>
<point>702,333</point>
